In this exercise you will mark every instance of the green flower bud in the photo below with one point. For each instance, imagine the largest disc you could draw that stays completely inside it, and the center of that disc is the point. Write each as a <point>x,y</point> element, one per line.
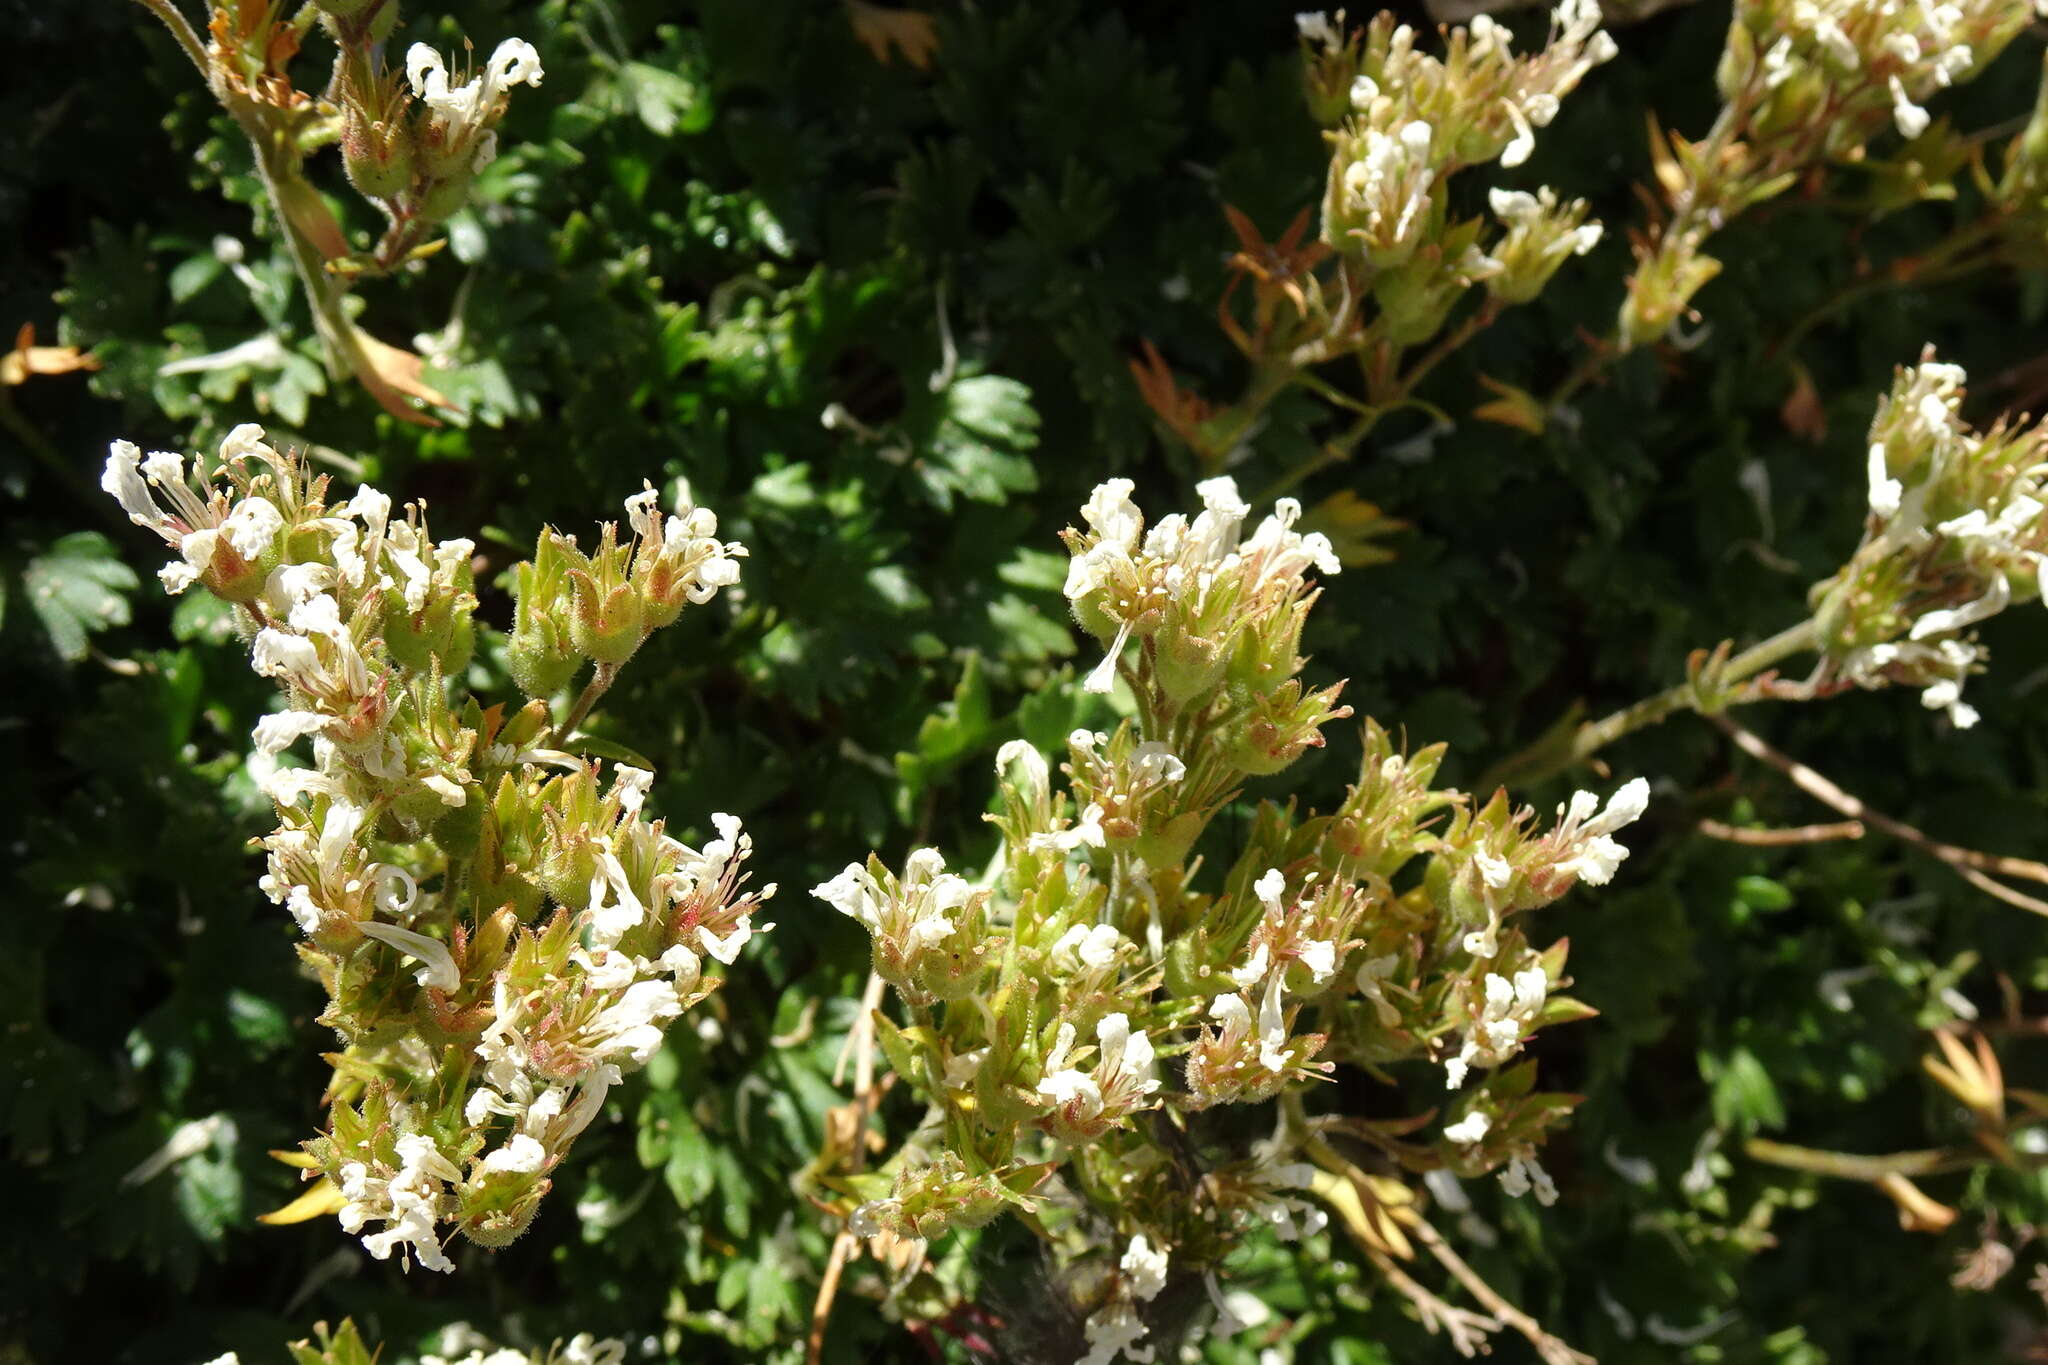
<point>541,655</point>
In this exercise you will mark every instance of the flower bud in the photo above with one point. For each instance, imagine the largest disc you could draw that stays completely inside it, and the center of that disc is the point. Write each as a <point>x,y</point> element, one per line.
<point>541,655</point>
<point>1188,667</point>
<point>1661,289</point>
<point>932,1200</point>
<point>606,624</point>
<point>377,154</point>
<point>1284,724</point>
<point>446,194</point>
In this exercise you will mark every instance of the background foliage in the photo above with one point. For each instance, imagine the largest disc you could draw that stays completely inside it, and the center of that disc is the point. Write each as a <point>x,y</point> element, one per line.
<point>880,316</point>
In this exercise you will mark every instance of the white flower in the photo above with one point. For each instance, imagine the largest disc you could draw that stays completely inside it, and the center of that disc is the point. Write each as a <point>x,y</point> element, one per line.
<point>1910,117</point>
<point>521,1156</point>
<point>1513,206</point>
<point>1495,872</point>
<point>1995,599</point>
<point>1254,969</point>
<point>584,1349</point>
<point>1087,831</point>
<point>1523,143</point>
<point>1315,27</point>
<point>1146,1267</point>
<point>1470,1129</point>
<point>1885,490</point>
<point>1093,947</point>
<point>438,965</point>
<point>1112,1331</point>
<point>1112,515</point>
<point>1272,1027</point>
<point>1154,765</point>
<point>1586,838</point>
<point>631,1026</point>
<point>278,732</point>
<point>187,1140</point>
<point>450,791</point>
<point>1522,1175</point>
<point>727,949</point>
<point>1023,755</point>
<point>513,63</point>
<point>1372,984</point>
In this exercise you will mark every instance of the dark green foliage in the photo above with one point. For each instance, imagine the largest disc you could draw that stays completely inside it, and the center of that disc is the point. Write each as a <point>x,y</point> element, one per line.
<point>880,320</point>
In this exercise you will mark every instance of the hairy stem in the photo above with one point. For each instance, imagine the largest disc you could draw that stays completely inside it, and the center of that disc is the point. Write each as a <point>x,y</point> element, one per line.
<point>601,679</point>
<point>1596,735</point>
<point>181,29</point>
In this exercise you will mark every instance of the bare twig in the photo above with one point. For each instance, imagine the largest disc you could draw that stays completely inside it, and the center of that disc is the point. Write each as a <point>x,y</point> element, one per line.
<point>828,1290</point>
<point>860,1039</point>
<point>860,1045</point>
<point>1467,1330</point>
<point>1855,1166</point>
<point>1779,838</point>
<point>1973,866</point>
<point>1552,1349</point>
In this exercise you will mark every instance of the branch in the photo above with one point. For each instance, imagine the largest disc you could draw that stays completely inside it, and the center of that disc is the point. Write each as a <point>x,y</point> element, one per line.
<point>1780,838</point>
<point>1974,867</point>
<point>181,29</point>
<point>1552,1349</point>
<point>1467,1330</point>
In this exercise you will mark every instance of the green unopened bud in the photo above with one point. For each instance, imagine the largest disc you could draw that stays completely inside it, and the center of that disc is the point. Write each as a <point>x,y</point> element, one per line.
<point>1660,290</point>
<point>377,155</point>
<point>1188,666</point>
<point>607,623</point>
<point>1798,102</point>
<point>1416,298</point>
<point>445,196</point>
<point>541,655</point>
<point>1738,61</point>
<point>931,1201</point>
<point>1166,844</point>
<point>1284,725</point>
<point>2026,158</point>
<point>489,1224</point>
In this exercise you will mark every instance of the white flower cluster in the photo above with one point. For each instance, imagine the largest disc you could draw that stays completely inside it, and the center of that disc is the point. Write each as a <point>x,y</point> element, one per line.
<point>1386,185</point>
<point>1924,462</point>
<point>1135,577</point>
<point>209,534</point>
<point>1285,932</point>
<point>1522,1174</point>
<point>684,546</point>
<point>408,1201</point>
<point>630,998</point>
<point>1413,109</point>
<point>1508,1013</point>
<point>1919,47</point>
<point>1115,1328</point>
<point>1121,1079</point>
<point>920,914</point>
<point>465,113</point>
<point>1583,846</point>
<point>582,1349</point>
